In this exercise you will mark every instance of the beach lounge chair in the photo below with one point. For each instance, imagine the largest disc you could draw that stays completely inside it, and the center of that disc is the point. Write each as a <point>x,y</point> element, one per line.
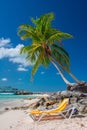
<point>60,110</point>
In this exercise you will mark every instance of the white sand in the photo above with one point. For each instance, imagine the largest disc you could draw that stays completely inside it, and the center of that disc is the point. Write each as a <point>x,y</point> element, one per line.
<point>19,120</point>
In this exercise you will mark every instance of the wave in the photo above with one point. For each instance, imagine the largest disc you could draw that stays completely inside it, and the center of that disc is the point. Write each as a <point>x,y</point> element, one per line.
<point>6,93</point>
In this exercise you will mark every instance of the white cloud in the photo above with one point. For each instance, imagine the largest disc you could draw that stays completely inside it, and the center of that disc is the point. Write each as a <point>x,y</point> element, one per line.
<point>42,72</point>
<point>13,54</point>
<point>57,73</point>
<point>10,52</point>
<point>4,42</point>
<point>9,70</point>
<point>4,79</point>
<point>19,79</point>
<point>20,60</point>
<point>21,68</point>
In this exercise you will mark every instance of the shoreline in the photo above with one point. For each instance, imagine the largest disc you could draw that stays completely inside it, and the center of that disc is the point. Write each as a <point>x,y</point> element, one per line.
<point>18,119</point>
<point>10,104</point>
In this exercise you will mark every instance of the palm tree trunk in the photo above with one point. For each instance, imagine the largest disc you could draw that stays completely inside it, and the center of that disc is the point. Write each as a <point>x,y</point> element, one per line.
<point>65,80</point>
<point>78,81</point>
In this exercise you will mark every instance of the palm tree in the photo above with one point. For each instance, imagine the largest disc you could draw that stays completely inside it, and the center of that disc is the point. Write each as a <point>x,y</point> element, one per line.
<point>45,46</point>
<point>62,66</point>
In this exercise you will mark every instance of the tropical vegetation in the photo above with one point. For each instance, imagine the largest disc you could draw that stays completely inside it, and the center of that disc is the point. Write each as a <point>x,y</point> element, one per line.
<point>45,47</point>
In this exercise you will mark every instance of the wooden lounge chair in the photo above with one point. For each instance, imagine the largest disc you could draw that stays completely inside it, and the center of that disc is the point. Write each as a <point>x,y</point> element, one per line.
<point>60,110</point>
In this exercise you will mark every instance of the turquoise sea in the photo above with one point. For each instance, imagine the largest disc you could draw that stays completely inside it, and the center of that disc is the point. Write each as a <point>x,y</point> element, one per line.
<point>11,96</point>
<point>8,100</point>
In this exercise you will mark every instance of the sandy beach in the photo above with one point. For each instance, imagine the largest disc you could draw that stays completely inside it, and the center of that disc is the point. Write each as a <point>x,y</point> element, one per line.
<point>19,120</point>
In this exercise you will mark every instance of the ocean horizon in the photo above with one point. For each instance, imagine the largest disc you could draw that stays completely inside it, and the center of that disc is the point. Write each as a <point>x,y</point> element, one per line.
<point>12,96</point>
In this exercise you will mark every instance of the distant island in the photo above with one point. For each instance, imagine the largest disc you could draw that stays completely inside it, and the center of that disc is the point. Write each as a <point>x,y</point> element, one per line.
<point>9,89</point>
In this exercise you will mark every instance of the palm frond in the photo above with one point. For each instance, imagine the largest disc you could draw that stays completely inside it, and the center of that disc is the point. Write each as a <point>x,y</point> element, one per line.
<point>61,56</point>
<point>62,60</point>
<point>27,31</point>
<point>36,65</point>
<point>45,61</point>
<point>43,23</point>
<point>61,49</point>
<point>56,35</point>
<point>26,49</point>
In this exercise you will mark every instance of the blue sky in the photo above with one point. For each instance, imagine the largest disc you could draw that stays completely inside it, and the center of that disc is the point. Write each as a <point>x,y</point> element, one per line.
<point>70,17</point>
